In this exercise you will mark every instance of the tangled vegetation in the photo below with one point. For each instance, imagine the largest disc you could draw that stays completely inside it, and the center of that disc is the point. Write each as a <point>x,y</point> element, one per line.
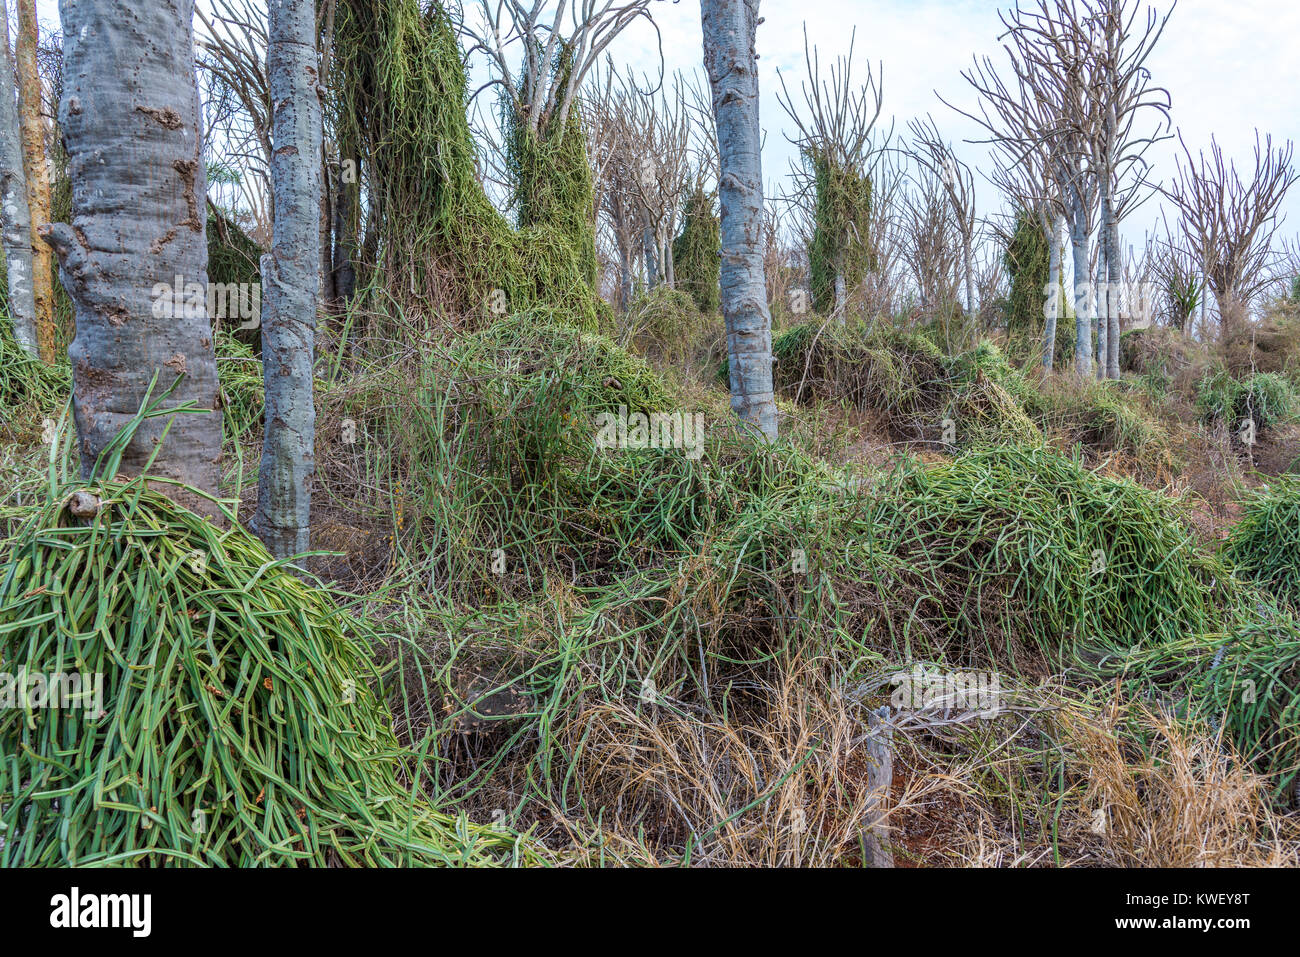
<point>1264,398</point>
<point>695,252</point>
<point>1264,545</point>
<point>225,731</point>
<point>442,241</point>
<point>840,252</point>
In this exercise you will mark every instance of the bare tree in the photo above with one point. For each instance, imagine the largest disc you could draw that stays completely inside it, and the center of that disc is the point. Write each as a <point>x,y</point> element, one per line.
<point>659,129</point>
<point>1037,125</point>
<point>936,154</point>
<point>581,30</point>
<point>15,217</point>
<point>835,122</point>
<point>1082,86</point>
<point>1122,45</point>
<point>291,274</point>
<point>639,143</point>
<point>130,120</point>
<point>36,174</point>
<point>1175,272</point>
<point>934,248</point>
<point>1230,223</point>
<point>729,28</point>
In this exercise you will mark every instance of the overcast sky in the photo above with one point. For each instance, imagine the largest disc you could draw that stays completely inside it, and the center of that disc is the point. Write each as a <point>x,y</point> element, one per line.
<point>1229,67</point>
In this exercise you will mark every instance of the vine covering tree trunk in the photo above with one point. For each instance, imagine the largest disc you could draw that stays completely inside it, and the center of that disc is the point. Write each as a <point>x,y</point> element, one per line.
<point>36,174</point>
<point>291,276</point>
<point>729,57</point>
<point>130,122</point>
<point>15,218</point>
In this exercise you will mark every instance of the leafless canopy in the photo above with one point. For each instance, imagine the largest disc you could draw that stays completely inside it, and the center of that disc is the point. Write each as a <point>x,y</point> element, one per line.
<point>1230,222</point>
<point>582,30</point>
<point>836,118</point>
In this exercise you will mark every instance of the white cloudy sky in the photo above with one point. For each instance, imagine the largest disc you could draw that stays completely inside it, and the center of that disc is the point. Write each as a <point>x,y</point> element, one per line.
<point>1230,67</point>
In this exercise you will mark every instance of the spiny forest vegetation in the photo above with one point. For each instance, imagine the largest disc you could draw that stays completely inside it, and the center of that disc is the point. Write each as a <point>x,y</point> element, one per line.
<point>434,447</point>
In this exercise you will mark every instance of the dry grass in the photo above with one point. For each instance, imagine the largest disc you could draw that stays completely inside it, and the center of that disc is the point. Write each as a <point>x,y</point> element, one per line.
<point>780,781</point>
<point>1188,801</point>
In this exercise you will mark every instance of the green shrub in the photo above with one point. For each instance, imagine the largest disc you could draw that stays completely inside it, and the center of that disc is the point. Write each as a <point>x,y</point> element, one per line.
<point>1264,545</point>
<point>227,732</point>
<point>1266,398</point>
<point>1026,546</point>
<point>696,261</point>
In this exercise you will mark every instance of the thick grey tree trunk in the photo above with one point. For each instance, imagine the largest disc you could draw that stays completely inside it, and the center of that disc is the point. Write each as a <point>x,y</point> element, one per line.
<point>15,216</point>
<point>130,122</point>
<point>1100,298</point>
<point>1114,294</point>
<point>1053,294</point>
<point>291,277</point>
<point>1082,311</point>
<point>730,59</point>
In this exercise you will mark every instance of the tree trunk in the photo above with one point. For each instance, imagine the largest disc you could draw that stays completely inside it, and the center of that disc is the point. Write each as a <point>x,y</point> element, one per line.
<point>666,257</point>
<point>624,276</point>
<point>345,241</point>
<point>1100,299</point>
<point>1053,295</point>
<point>347,224</point>
<point>651,248</point>
<point>15,218</point>
<point>326,293</point>
<point>730,59</point>
<point>1082,310</point>
<point>37,175</point>
<point>969,256</point>
<point>1114,292</point>
<point>130,121</point>
<point>290,273</point>
<point>880,780</point>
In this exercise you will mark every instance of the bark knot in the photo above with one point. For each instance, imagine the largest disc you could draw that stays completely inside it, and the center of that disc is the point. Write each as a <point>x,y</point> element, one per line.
<point>167,118</point>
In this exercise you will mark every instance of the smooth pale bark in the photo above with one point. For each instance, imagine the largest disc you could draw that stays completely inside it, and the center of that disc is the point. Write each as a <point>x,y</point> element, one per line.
<point>130,122</point>
<point>36,175</point>
<point>971,305</point>
<point>1082,299</point>
<point>291,277</point>
<point>1052,294</point>
<point>1099,297</point>
<point>1114,293</point>
<point>15,218</point>
<point>730,59</point>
